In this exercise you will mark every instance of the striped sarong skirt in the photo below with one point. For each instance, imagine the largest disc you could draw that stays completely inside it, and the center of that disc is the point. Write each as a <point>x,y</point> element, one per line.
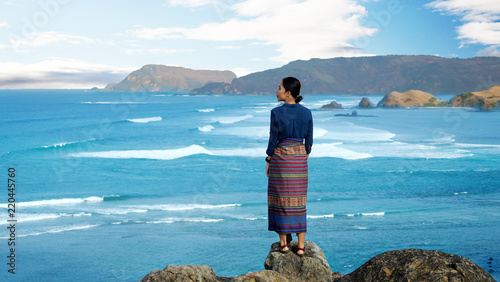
<point>287,187</point>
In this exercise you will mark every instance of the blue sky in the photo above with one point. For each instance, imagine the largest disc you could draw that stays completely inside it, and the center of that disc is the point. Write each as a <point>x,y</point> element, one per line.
<point>81,44</point>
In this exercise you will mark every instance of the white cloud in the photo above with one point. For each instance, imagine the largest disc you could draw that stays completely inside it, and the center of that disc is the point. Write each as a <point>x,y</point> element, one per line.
<point>480,19</point>
<point>227,47</point>
<point>477,10</point>
<point>37,39</point>
<point>55,73</point>
<point>242,71</point>
<point>493,50</point>
<point>486,33</point>
<point>4,24</point>
<point>299,29</point>
<point>158,33</point>
<point>190,3</point>
<point>158,51</point>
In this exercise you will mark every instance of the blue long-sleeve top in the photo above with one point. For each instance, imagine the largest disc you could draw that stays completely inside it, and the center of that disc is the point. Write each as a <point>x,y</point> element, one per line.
<point>290,121</point>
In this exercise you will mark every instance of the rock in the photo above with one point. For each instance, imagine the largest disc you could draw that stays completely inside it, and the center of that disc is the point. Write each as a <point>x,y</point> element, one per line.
<point>365,103</point>
<point>417,265</point>
<point>182,273</point>
<point>259,276</point>
<point>311,267</point>
<point>410,98</point>
<point>486,100</point>
<point>332,105</point>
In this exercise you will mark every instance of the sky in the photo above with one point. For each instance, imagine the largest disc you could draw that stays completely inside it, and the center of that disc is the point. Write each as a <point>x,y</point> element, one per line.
<point>80,44</point>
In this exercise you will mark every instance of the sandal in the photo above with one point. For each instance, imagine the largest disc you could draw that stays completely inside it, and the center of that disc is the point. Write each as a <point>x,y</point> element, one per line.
<point>301,249</point>
<point>280,249</point>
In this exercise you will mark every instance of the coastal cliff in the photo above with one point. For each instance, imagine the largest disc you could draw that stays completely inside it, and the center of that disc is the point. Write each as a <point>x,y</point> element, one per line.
<point>167,78</point>
<point>398,265</point>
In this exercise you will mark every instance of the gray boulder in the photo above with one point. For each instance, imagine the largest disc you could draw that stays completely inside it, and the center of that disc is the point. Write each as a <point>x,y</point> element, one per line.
<point>311,267</point>
<point>418,265</point>
<point>174,273</point>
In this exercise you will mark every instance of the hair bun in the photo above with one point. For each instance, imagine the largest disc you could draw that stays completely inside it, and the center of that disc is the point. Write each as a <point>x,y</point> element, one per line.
<point>298,98</point>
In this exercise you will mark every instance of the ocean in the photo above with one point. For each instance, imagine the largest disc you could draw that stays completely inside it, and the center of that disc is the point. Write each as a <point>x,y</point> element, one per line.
<point>110,186</point>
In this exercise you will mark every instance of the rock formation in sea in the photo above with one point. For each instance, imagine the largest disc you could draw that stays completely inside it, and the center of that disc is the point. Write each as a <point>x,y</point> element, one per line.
<point>365,103</point>
<point>332,105</point>
<point>168,78</point>
<point>410,98</point>
<point>399,265</point>
<point>485,100</point>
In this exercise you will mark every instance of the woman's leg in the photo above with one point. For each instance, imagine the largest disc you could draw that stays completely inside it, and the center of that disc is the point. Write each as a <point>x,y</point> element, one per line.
<point>283,241</point>
<point>301,237</point>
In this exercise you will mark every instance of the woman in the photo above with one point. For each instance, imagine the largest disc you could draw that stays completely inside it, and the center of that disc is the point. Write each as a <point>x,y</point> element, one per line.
<point>290,142</point>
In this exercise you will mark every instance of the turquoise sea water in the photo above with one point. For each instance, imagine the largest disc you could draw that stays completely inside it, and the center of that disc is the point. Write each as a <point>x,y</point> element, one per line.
<point>110,186</point>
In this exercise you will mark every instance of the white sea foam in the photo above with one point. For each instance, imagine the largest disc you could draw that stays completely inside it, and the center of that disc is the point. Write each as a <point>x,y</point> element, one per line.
<point>318,132</point>
<point>243,152</point>
<point>366,214</point>
<point>66,143</point>
<point>252,132</point>
<point>396,149</point>
<point>120,211</point>
<point>347,131</point>
<point>463,145</point>
<point>24,217</point>
<point>321,216</point>
<point>145,120</point>
<point>176,219</point>
<point>112,102</point>
<point>60,229</point>
<point>373,214</point>
<point>206,128</point>
<point>444,139</point>
<point>206,110</point>
<point>146,154</point>
<point>184,207</point>
<point>333,150</point>
<point>63,201</point>
<point>230,120</point>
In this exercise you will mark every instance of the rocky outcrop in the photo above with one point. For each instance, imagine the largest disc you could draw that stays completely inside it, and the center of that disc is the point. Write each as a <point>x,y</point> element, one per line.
<point>418,265</point>
<point>332,105</point>
<point>168,78</point>
<point>365,103</point>
<point>485,100</point>
<point>311,267</point>
<point>399,265</point>
<point>410,98</point>
<point>215,88</point>
<point>182,273</point>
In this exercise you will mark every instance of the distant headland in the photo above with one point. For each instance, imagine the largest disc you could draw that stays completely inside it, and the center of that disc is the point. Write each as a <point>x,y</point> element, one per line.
<point>356,75</point>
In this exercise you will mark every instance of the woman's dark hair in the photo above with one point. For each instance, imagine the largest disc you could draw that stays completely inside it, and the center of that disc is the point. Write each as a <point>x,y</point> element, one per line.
<point>293,85</point>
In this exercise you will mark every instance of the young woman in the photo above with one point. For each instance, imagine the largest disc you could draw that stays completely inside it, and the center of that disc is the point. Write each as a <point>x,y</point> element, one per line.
<point>290,142</point>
